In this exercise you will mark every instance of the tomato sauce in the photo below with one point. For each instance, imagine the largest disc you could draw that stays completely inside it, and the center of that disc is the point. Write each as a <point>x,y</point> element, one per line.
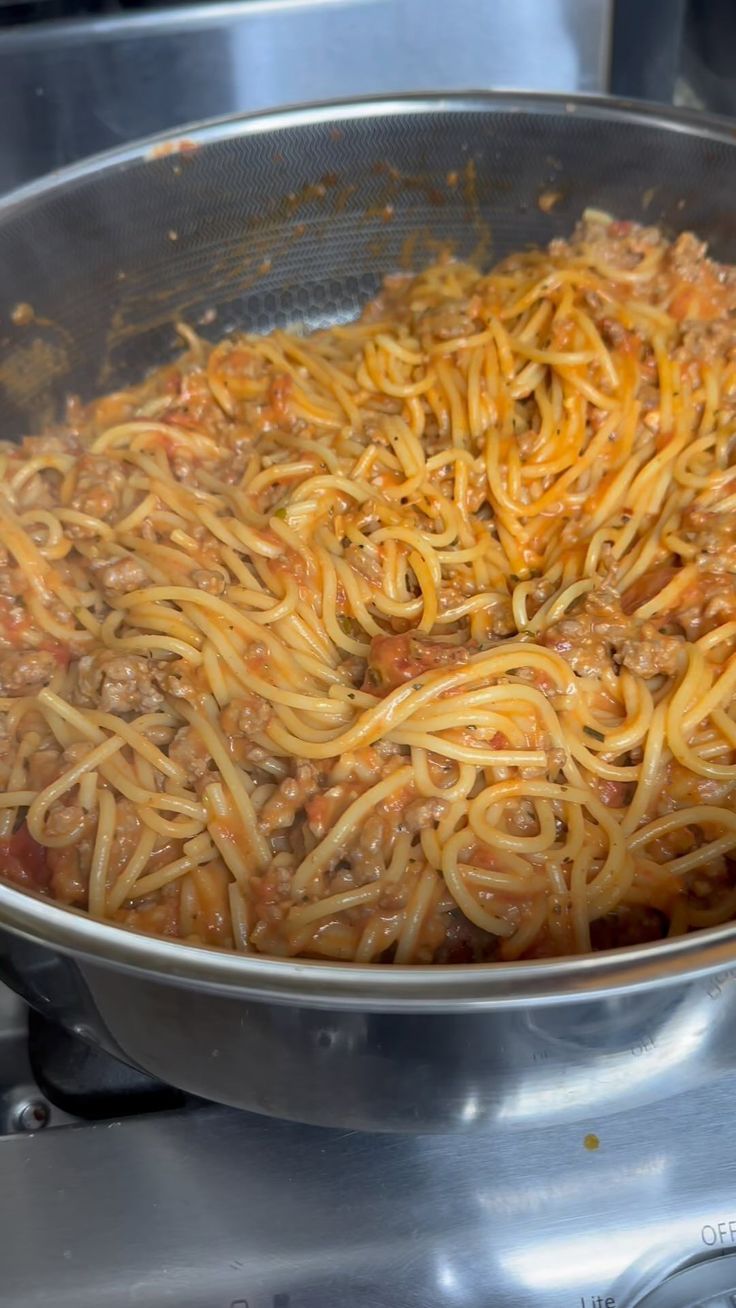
<point>23,861</point>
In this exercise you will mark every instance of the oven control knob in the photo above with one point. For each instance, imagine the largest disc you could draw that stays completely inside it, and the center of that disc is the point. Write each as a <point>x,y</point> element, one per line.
<point>710,1284</point>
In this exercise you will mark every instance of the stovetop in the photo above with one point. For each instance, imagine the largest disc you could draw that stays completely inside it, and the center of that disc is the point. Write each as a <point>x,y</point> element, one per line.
<point>116,1190</point>
<point>171,1201</point>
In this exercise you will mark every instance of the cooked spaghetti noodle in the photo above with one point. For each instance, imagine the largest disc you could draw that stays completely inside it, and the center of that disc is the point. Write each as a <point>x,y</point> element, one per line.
<point>410,640</point>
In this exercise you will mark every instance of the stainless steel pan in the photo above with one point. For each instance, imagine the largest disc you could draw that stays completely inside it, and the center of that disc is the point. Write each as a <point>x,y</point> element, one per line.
<point>296,215</point>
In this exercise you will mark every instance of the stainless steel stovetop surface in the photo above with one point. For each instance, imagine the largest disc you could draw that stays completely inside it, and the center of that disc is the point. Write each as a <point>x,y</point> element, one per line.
<point>210,1208</point>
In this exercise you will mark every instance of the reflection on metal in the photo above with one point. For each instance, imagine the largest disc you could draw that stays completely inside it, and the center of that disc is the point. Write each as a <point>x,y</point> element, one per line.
<point>589,1079</point>
<point>74,89</point>
<point>214,1208</point>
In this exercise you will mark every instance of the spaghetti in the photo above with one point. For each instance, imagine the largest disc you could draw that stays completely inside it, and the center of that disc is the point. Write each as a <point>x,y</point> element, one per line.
<point>410,640</point>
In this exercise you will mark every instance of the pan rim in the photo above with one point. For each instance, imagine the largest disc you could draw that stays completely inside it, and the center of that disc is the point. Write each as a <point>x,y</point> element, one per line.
<point>690,122</point>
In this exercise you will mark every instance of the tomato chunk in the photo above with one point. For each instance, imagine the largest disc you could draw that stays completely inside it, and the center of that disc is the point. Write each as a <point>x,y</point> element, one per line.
<point>23,861</point>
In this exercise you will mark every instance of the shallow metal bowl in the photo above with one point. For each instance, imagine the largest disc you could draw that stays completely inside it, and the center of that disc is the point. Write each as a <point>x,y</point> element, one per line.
<point>296,216</point>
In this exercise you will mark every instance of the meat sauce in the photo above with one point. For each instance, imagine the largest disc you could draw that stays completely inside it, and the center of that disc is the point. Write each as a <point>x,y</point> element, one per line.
<point>513,487</point>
